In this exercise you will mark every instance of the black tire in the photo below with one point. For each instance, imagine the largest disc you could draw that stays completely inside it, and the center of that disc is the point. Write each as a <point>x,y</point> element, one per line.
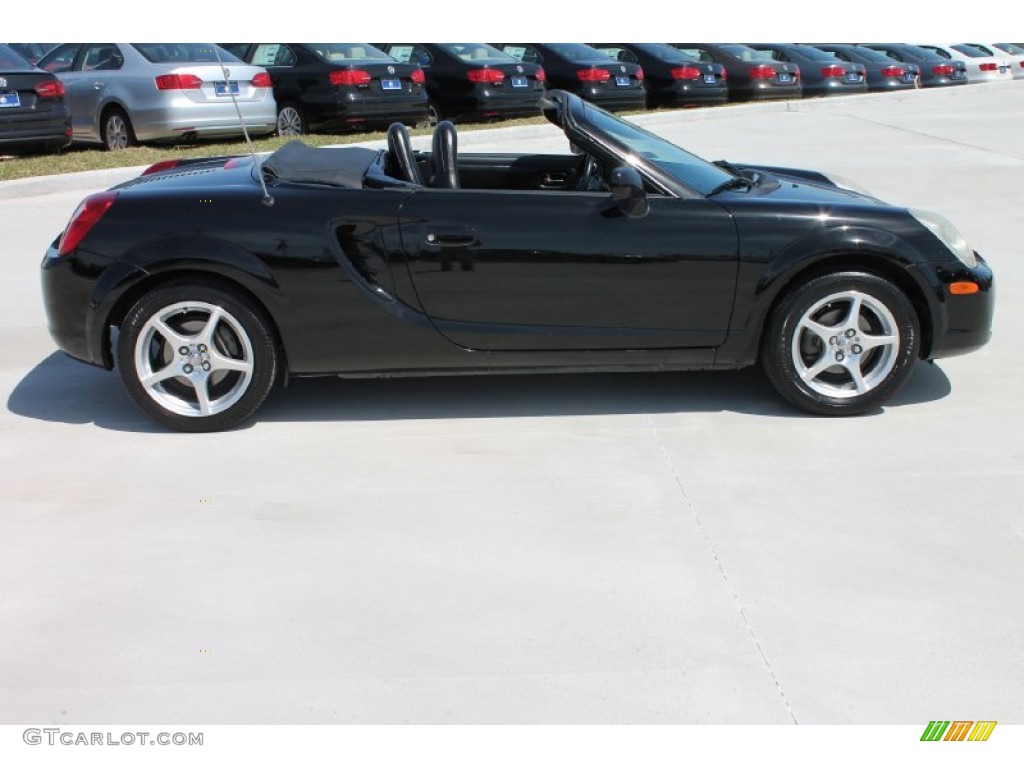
<point>233,361</point>
<point>812,350</point>
<point>291,120</point>
<point>116,130</point>
<point>435,114</point>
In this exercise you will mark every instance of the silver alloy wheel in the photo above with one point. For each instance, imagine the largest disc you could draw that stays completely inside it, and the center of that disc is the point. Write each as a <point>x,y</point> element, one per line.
<point>116,131</point>
<point>289,122</point>
<point>194,359</point>
<point>845,345</point>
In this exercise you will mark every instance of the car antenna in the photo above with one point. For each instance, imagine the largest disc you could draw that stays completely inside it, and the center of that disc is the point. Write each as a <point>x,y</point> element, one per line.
<point>268,199</point>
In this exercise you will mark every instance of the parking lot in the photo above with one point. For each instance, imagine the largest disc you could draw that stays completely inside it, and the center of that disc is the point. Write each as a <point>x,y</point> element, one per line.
<point>638,548</point>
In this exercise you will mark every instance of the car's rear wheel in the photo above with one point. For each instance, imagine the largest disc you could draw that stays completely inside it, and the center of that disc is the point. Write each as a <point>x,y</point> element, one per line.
<point>197,358</point>
<point>435,114</point>
<point>117,130</point>
<point>841,344</point>
<point>291,121</point>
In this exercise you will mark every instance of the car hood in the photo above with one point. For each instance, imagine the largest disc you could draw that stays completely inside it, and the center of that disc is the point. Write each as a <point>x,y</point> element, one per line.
<point>802,185</point>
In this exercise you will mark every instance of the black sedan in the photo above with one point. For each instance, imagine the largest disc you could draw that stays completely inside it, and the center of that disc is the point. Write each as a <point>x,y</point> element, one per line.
<point>33,116</point>
<point>672,78</point>
<point>822,73</point>
<point>936,71</point>
<point>884,73</point>
<point>752,74</point>
<point>331,86</point>
<point>472,80</point>
<point>224,276</point>
<point>585,71</point>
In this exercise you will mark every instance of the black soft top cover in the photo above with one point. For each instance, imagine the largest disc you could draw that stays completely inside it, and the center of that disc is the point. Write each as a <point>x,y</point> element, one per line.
<point>337,166</point>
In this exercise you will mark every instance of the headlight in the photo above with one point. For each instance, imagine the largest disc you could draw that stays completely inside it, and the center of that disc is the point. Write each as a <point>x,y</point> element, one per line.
<point>950,236</point>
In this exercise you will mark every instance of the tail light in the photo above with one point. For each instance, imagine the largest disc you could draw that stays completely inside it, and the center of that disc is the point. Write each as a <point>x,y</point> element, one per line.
<point>485,75</point>
<point>50,89</point>
<point>639,73</point>
<point>89,212</point>
<point>942,69</point>
<point>350,77</point>
<point>163,165</point>
<point>685,73</point>
<point>178,83</point>
<point>892,71</point>
<point>762,72</point>
<point>262,80</point>
<point>989,67</point>
<point>541,75</point>
<point>418,77</point>
<point>832,70</point>
<point>594,75</point>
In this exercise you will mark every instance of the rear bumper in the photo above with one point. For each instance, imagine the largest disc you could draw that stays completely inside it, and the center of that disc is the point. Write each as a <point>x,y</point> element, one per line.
<point>683,93</point>
<point>220,119</point>
<point>489,102</point>
<point>627,98</point>
<point>52,128</point>
<point>339,113</point>
<point>765,92</point>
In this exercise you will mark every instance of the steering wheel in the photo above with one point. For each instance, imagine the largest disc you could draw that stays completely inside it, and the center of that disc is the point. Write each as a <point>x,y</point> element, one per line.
<point>589,175</point>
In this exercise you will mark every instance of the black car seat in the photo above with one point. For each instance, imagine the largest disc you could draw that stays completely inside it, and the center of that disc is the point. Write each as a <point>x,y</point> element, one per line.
<point>401,164</point>
<point>444,173</point>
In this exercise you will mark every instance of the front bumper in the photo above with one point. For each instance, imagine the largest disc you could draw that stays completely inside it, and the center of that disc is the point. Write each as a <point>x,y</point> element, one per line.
<point>959,323</point>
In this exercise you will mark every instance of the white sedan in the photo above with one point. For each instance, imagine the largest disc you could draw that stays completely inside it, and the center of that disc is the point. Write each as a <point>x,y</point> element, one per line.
<point>1011,51</point>
<point>980,68</point>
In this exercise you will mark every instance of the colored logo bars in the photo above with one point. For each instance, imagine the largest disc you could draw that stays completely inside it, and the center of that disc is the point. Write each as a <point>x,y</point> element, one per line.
<point>958,730</point>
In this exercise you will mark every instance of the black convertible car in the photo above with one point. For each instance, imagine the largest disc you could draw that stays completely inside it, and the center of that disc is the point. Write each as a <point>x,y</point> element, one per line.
<point>224,276</point>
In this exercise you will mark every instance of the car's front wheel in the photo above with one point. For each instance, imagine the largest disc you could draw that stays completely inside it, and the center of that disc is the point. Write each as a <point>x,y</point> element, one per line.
<point>841,344</point>
<point>196,358</point>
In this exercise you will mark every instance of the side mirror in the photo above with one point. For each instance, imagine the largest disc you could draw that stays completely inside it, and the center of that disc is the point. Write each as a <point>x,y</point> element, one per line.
<point>628,192</point>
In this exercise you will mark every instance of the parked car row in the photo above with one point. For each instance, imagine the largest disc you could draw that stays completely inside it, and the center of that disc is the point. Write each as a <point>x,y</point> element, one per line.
<point>120,94</point>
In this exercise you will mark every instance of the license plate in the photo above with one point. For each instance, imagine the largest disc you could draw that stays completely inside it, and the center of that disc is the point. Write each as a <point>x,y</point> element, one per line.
<point>957,75</point>
<point>1003,70</point>
<point>853,77</point>
<point>621,81</point>
<point>785,77</point>
<point>390,84</point>
<point>222,88</point>
<point>709,79</point>
<point>519,82</point>
<point>10,99</point>
<point>908,77</point>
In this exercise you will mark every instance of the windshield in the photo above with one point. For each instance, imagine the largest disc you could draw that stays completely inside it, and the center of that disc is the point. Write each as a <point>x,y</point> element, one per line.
<point>667,53</point>
<point>967,50</point>
<point>693,171</point>
<point>816,54</point>
<point>578,53</point>
<point>10,60</point>
<point>182,53</point>
<point>743,53</point>
<point>872,55</point>
<point>476,53</point>
<point>1013,48</point>
<point>336,53</point>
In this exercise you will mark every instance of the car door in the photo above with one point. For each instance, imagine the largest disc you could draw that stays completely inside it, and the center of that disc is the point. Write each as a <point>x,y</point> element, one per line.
<point>564,270</point>
<point>87,85</point>
<point>61,62</point>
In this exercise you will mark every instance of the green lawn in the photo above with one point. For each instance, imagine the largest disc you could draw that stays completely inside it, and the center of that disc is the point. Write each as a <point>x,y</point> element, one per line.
<point>78,158</point>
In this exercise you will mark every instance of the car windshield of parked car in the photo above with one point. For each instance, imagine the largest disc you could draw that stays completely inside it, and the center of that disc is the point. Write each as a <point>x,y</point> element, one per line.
<point>578,53</point>
<point>872,55</point>
<point>10,60</point>
<point>667,53</point>
<point>967,50</point>
<point>920,53</point>
<point>336,53</point>
<point>743,53</point>
<point>476,53</point>
<point>695,172</point>
<point>184,53</point>
<point>816,54</point>
<point>1013,48</point>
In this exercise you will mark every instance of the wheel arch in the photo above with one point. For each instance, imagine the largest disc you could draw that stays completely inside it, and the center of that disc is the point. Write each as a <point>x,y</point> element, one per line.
<point>876,263</point>
<point>105,109</point>
<point>120,306</point>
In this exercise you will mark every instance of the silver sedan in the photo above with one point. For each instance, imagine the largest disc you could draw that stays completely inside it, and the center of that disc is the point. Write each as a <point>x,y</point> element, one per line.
<point>124,93</point>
